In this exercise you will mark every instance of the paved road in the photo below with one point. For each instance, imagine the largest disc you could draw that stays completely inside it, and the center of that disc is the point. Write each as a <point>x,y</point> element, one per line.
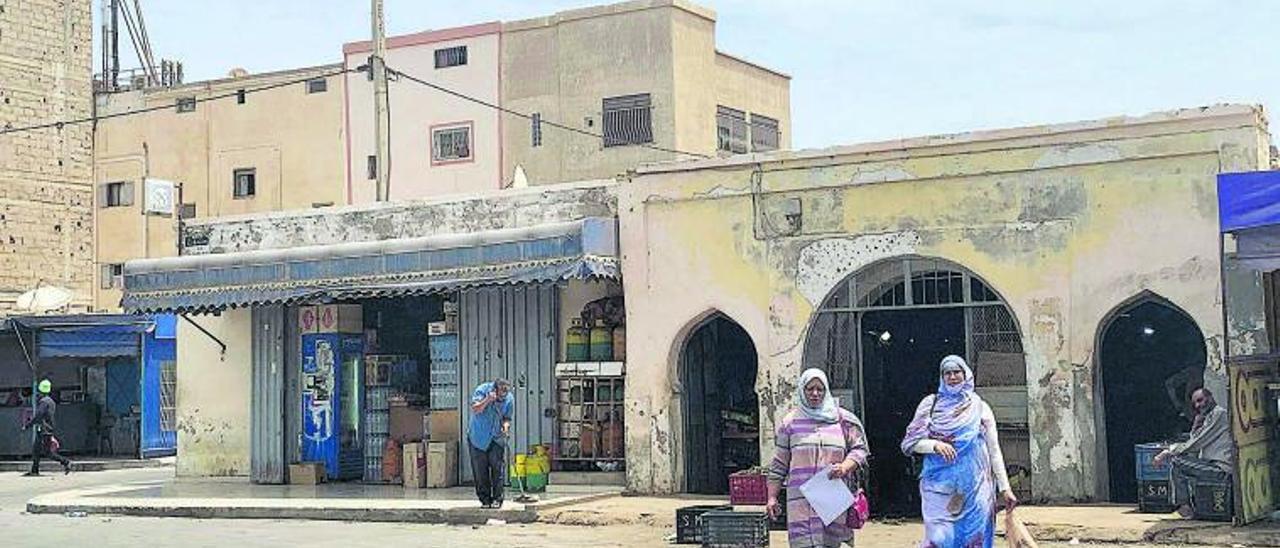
<point>26,530</point>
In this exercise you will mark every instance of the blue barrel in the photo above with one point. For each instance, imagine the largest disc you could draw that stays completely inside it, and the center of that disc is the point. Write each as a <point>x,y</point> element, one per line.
<point>1145,455</point>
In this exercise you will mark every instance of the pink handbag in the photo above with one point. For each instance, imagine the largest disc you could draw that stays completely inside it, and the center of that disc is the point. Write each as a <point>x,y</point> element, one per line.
<point>860,512</point>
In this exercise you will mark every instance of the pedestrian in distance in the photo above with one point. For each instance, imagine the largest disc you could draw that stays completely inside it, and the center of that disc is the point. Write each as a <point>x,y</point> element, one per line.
<point>492,405</point>
<point>816,437</point>
<point>963,466</point>
<point>44,419</point>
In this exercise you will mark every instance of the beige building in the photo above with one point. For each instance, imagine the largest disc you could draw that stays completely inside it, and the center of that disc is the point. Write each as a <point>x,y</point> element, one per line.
<point>46,195</point>
<point>637,80</point>
<point>637,73</point>
<point>244,144</point>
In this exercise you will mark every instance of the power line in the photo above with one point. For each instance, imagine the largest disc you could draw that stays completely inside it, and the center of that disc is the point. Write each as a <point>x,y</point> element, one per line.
<point>519,114</point>
<point>237,93</point>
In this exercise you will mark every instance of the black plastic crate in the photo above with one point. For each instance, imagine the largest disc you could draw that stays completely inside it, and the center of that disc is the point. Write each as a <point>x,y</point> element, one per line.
<point>1212,501</point>
<point>1155,497</point>
<point>728,529</point>
<point>688,530</point>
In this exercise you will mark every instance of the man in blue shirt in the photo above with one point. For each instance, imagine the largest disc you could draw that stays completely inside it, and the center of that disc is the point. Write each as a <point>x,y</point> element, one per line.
<point>491,408</point>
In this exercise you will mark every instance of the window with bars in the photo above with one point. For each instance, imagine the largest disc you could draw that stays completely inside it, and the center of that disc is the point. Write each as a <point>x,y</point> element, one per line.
<point>169,395</point>
<point>451,144</point>
<point>451,57</point>
<point>764,133</point>
<point>185,104</point>
<point>628,120</point>
<point>318,85</point>
<point>116,194</point>
<point>731,130</point>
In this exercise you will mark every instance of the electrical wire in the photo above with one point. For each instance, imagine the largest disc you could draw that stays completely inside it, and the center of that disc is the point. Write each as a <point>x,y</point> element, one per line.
<point>519,114</point>
<point>59,125</point>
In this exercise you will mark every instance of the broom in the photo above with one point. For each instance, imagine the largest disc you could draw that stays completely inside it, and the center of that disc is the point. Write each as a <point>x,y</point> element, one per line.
<point>523,498</point>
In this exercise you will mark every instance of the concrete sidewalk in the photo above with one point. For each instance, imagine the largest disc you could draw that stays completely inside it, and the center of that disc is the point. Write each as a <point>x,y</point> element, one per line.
<point>88,464</point>
<point>1086,524</point>
<point>339,502</point>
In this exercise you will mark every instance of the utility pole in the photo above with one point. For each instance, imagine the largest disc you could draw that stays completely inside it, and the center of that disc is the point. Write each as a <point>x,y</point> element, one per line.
<point>381,125</point>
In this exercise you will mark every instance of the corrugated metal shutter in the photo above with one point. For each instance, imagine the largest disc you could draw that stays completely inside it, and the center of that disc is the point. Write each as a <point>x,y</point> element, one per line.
<point>511,332</point>
<point>267,462</point>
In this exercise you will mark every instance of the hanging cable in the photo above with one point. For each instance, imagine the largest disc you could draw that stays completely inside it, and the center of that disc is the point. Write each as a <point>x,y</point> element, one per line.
<point>74,121</point>
<point>544,121</point>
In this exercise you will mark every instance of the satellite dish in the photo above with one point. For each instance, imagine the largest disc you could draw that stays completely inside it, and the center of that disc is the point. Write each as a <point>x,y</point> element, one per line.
<point>44,299</point>
<point>520,180</point>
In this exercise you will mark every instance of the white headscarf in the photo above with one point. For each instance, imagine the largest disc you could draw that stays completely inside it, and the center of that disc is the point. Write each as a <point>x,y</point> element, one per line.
<point>828,412</point>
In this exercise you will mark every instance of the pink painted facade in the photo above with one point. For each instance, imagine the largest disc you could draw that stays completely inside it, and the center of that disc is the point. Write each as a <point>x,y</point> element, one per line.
<point>418,112</point>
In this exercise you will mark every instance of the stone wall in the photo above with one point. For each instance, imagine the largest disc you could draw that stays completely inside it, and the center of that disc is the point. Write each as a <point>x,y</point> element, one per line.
<point>46,195</point>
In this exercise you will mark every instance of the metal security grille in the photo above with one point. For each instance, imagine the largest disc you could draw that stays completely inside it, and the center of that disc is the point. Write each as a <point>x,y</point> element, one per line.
<point>764,133</point>
<point>451,57</point>
<point>168,395</point>
<point>451,144</point>
<point>628,120</point>
<point>731,130</point>
<point>995,347</point>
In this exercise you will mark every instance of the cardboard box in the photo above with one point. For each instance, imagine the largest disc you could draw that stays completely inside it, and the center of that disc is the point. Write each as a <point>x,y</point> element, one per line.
<point>415,466</point>
<point>408,423</point>
<point>307,473</point>
<point>442,464</point>
<point>444,425</point>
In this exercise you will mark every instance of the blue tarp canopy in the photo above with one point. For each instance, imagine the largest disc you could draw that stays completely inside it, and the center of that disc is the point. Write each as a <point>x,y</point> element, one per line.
<point>1248,200</point>
<point>583,249</point>
<point>86,335</point>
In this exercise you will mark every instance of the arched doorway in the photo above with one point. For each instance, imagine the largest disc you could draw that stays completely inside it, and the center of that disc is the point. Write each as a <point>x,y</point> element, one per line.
<point>880,335</point>
<point>1151,355</point>
<point>719,405</point>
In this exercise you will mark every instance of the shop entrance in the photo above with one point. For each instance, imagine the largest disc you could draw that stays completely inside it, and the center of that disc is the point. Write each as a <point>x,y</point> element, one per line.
<point>880,336</point>
<point>1151,357</point>
<point>901,352</point>
<point>719,404</point>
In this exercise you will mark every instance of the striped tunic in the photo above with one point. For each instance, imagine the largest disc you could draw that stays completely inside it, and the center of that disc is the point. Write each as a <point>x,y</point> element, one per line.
<point>804,447</point>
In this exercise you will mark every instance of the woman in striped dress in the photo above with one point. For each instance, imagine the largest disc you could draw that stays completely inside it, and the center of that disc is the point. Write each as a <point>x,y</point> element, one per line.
<point>817,437</point>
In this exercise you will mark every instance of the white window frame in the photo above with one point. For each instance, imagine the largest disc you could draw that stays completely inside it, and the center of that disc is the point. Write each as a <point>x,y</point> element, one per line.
<point>441,156</point>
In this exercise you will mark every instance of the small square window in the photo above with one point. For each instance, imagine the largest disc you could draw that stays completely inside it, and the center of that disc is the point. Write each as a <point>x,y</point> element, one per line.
<point>451,144</point>
<point>188,211</point>
<point>318,85</point>
<point>240,96</point>
<point>117,194</point>
<point>186,104</point>
<point>245,183</point>
<point>112,276</point>
<point>451,57</point>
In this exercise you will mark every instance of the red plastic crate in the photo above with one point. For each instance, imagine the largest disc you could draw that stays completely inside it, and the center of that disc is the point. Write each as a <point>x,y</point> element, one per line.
<point>748,489</point>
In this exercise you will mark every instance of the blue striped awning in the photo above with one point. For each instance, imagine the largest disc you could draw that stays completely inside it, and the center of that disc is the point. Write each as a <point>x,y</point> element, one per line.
<point>208,283</point>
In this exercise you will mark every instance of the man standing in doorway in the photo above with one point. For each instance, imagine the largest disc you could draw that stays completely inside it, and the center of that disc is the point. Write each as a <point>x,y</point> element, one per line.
<point>44,420</point>
<point>1206,456</point>
<point>491,406</point>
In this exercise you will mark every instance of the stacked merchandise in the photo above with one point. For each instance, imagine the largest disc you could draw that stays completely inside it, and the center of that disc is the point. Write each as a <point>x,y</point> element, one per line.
<point>443,350</point>
<point>377,418</point>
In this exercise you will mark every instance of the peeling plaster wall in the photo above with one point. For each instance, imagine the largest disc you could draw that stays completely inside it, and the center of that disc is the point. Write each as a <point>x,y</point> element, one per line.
<point>214,396</point>
<point>1066,222</point>
<point>456,215</point>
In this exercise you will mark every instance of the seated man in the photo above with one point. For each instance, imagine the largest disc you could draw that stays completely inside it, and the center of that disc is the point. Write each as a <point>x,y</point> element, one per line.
<point>1206,456</point>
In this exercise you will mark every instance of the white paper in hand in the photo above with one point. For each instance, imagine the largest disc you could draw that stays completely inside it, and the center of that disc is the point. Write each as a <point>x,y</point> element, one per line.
<point>828,497</point>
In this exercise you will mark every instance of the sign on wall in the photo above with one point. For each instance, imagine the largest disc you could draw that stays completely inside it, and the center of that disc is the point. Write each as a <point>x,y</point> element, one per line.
<point>1253,429</point>
<point>160,196</point>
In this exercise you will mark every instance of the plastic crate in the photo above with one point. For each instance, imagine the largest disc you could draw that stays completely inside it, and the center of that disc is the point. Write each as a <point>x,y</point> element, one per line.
<point>1144,456</point>
<point>1211,501</point>
<point>748,489</point>
<point>1155,497</point>
<point>688,530</point>
<point>728,529</point>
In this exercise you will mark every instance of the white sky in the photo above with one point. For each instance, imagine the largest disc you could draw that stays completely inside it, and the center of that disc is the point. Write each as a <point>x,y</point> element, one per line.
<point>862,69</point>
